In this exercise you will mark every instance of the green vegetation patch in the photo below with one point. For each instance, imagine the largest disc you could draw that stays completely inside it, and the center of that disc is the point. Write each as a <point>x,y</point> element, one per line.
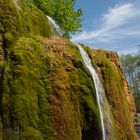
<point>24,104</point>
<point>108,67</point>
<point>21,19</point>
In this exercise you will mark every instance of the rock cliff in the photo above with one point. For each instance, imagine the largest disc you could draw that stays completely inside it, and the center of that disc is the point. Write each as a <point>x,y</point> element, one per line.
<point>118,93</point>
<point>46,92</point>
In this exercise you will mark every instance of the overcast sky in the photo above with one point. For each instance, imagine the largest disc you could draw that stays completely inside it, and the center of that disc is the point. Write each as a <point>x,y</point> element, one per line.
<point>110,24</point>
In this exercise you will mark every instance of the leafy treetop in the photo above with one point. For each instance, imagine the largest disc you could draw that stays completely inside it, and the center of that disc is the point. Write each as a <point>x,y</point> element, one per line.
<point>63,12</point>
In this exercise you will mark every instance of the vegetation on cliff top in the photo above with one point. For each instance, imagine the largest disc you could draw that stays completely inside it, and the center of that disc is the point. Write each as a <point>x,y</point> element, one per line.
<point>107,65</point>
<point>42,94</point>
<point>21,19</point>
<point>44,88</point>
<point>46,93</point>
<point>131,67</point>
<point>63,12</point>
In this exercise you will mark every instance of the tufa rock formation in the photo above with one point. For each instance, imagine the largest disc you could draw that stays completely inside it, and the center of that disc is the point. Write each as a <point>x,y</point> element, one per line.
<point>46,93</point>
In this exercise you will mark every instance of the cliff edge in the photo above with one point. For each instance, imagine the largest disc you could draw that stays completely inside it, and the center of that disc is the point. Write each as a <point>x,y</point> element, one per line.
<point>46,92</point>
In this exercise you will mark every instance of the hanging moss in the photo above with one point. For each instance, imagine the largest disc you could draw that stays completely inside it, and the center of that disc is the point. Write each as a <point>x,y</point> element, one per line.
<point>46,92</point>
<point>22,20</point>
<point>108,67</point>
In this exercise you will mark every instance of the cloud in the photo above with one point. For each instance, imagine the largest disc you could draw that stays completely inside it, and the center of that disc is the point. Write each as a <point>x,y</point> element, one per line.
<point>133,50</point>
<point>118,15</point>
<point>118,23</point>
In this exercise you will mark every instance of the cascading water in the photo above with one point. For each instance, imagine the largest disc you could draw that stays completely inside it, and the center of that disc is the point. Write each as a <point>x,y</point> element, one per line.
<point>104,108</point>
<point>88,64</point>
<point>55,26</point>
<point>16,3</point>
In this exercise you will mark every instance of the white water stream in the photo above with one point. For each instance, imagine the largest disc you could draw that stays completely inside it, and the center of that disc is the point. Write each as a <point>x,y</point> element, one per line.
<point>106,116</point>
<point>16,3</point>
<point>54,25</point>
<point>98,87</point>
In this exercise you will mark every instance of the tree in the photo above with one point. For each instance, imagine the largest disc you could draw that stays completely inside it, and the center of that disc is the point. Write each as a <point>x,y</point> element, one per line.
<point>131,69</point>
<point>63,12</point>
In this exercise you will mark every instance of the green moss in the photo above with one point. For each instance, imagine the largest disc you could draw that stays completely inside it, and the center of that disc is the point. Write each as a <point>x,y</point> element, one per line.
<point>22,20</point>
<point>25,88</point>
<point>107,66</point>
<point>33,134</point>
<point>46,91</point>
<point>25,78</point>
<point>9,39</point>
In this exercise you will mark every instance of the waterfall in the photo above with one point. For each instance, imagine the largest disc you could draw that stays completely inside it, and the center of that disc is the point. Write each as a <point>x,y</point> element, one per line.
<point>16,3</point>
<point>106,116</point>
<point>104,108</point>
<point>55,26</point>
<point>98,88</point>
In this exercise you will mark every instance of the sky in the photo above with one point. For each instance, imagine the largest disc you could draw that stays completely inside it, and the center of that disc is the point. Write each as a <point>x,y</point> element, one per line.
<point>110,24</point>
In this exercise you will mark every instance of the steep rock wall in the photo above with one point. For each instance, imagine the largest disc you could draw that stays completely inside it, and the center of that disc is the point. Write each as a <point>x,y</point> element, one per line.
<point>117,90</point>
<point>46,93</point>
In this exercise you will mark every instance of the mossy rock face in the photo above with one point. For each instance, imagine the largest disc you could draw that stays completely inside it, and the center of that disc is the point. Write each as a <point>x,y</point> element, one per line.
<point>47,94</point>
<point>118,94</point>
<point>20,18</point>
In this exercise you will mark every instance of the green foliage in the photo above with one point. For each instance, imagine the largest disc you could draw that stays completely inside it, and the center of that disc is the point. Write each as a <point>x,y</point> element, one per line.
<point>108,67</point>
<point>46,91</point>
<point>25,91</point>
<point>131,67</point>
<point>21,19</point>
<point>8,38</point>
<point>63,13</point>
<point>129,63</point>
<point>33,134</point>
